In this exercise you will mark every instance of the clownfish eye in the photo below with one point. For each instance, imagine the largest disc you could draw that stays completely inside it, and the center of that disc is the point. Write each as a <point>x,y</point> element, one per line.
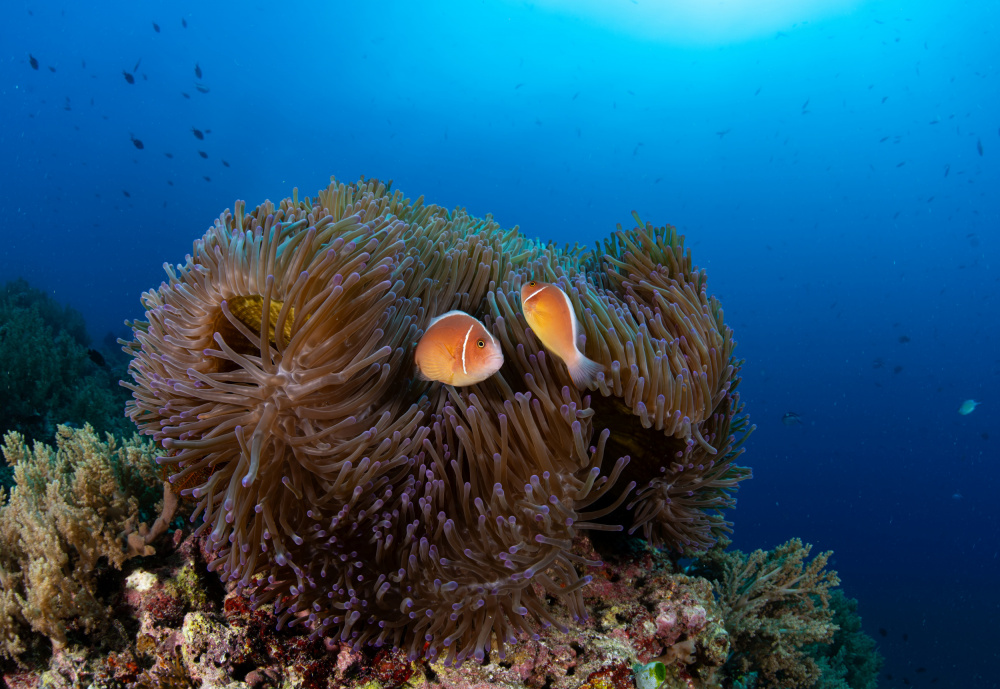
<point>531,284</point>
<point>480,344</point>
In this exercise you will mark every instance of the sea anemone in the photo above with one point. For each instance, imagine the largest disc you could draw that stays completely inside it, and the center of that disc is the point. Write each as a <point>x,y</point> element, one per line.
<point>275,368</point>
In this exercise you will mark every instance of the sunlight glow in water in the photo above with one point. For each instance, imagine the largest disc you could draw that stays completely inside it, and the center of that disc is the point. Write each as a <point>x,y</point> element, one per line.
<point>701,22</point>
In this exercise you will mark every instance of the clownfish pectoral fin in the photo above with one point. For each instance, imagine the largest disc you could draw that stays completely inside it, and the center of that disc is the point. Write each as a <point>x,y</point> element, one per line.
<point>584,371</point>
<point>437,364</point>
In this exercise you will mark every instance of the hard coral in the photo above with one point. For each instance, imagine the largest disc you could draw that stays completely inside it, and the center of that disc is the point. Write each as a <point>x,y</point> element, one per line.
<point>775,604</point>
<point>276,371</point>
<point>72,508</point>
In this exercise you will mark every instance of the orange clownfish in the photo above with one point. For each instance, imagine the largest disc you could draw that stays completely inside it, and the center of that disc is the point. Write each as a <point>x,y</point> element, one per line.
<point>551,317</point>
<point>458,350</point>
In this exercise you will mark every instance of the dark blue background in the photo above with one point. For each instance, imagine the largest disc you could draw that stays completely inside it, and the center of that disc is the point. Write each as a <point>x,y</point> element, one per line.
<point>825,240</point>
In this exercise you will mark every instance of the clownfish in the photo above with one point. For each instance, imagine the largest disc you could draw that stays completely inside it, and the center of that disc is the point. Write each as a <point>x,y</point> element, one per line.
<point>458,350</point>
<point>551,317</point>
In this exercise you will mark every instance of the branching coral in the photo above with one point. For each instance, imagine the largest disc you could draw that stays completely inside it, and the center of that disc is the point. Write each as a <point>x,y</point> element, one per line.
<point>275,368</point>
<point>775,603</point>
<point>70,508</point>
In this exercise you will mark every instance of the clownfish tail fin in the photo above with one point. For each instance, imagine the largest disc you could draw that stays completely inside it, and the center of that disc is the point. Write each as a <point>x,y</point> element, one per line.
<point>584,371</point>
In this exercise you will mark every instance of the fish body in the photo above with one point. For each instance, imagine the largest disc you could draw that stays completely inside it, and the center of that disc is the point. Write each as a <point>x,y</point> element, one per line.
<point>968,406</point>
<point>128,77</point>
<point>197,70</point>
<point>550,315</point>
<point>32,61</point>
<point>136,142</point>
<point>791,419</point>
<point>197,133</point>
<point>457,349</point>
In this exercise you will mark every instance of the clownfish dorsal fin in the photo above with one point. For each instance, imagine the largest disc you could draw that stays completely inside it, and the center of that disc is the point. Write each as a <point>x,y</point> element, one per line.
<point>448,314</point>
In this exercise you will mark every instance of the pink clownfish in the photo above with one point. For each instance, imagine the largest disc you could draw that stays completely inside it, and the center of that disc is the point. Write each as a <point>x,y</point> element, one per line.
<point>458,350</point>
<point>551,317</point>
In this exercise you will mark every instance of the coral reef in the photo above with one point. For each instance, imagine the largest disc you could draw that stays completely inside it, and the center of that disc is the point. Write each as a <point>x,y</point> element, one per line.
<point>650,621</point>
<point>851,659</point>
<point>72,508</point>
<point>49,374</point>
<point>276,371</point>
<point>775,603</point>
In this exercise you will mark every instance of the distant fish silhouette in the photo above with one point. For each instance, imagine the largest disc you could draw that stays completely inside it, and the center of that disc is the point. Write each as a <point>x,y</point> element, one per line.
<point>96,357</point>
<point>903,339</point>
<point>225,163</point>
<point>184,23</point>
<point>197,133</point>
<point>156,27</point>
<point>882,631</point>
<point>136,142</point>
<point>127,195</point>
<point>202,154</point>
<point>32,61</point>
<point>197,70</point>
<point>169,155</point>
<point>128,77</point>
<point>723,133</point>
<point>968,406</point>
<point>201,88</point>
<point>185,95</point>
<point>979,146</point>
<point>791,419</point>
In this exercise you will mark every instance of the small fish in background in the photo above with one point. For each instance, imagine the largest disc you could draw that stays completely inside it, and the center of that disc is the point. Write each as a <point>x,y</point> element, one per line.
<point>457,349</point>
<point>897,369</point>
<point>185,95</point>
<point>201,88</point>
<point>903,339</point>
<point>197,71</point>
<point>127,195</point>
<point>169,155</point>
<point>979,146</point>
<point>882,631</point>
<point>136,142</point>
<point>790,418</point>
<point>968,406</point>
<point>33,62</point>
<point>184,23</point>
<point>156,27</point>
<point>128,77</point>
<point>197,133</point>
<point>203,154</point>
<point>956,495</point>
<point>225,163</point>
<point>97,358</point>
<point>550,315</point>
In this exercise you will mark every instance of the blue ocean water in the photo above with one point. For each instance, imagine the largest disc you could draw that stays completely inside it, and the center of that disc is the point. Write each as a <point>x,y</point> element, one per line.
<point>833,165</point>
